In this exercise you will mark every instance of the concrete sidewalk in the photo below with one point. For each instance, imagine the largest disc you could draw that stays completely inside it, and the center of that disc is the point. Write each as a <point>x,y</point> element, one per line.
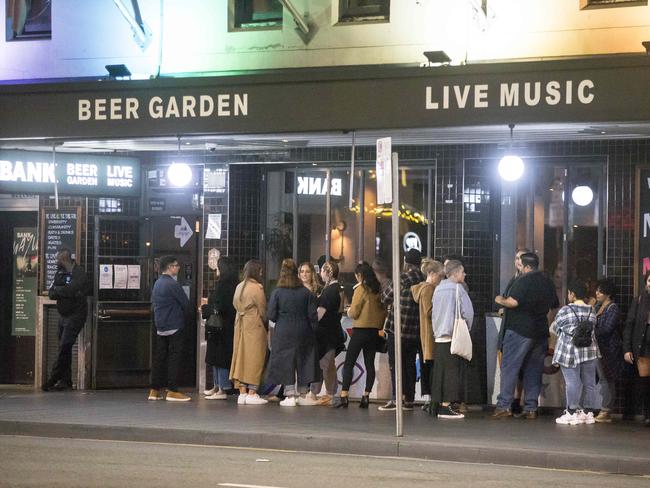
<point>620,447</point>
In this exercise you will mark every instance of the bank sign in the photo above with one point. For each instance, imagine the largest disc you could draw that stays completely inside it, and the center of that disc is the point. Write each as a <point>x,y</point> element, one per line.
<point>84,174</point>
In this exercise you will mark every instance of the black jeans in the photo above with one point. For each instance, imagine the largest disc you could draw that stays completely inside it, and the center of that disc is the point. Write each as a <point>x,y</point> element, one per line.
<point>366,340</point>
<point>166,361</point>
<point>69,328</point>
<point>409,372</point>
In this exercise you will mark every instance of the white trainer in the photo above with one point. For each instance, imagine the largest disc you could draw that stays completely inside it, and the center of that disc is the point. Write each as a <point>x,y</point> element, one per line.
<point>241,399</point>
<point>255,400</point>
<point>217,395</point>
<point>566,418</point>
<point>309,400</point>
<point>580,417</point>
<point>290,401</point>
<point>211,391</point>
<point>589,418</point>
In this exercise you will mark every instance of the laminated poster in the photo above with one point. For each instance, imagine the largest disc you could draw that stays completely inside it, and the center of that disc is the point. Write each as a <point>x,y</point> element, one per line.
<point>134,277</point>
<point>105,276</point>
<point>120,276</point>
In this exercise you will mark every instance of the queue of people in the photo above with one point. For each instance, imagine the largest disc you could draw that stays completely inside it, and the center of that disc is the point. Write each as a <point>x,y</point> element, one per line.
<point>297,352</point>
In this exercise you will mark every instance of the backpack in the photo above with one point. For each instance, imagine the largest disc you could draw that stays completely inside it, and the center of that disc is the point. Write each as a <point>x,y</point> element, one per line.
<point>582,335</point>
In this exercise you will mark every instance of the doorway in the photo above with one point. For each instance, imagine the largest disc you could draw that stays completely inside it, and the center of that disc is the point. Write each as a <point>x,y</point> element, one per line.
<point>18,292</point>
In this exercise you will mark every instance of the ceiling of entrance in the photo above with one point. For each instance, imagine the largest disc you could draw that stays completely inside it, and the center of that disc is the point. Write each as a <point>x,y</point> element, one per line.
<point>274,142</point>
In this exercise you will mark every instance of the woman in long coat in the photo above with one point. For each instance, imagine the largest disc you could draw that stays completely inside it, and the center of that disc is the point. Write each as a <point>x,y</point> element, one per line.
<point>218,352</point>
<point>293,344</point>
<point>249,344</point>
<point>636,342</point>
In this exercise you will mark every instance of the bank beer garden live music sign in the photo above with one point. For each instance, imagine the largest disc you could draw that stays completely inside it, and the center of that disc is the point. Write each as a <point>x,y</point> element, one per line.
<point>75,174</point>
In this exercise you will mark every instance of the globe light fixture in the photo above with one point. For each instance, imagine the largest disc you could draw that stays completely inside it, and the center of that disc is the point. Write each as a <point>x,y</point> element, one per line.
<point>511,167</point>
<point>179,174</point>
<point>582,195</point>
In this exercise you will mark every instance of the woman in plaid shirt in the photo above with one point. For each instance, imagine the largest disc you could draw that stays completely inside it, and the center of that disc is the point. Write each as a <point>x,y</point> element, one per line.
<point>578,364</point>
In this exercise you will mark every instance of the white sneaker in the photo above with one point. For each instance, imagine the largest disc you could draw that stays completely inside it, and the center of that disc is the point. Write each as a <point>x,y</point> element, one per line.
<point>580,417</point>
<point>255,400</point>
<point>566,418</point>
<point>308,400</point>
<point>211,391</point>
<point>589,418</point>
<point>290,401</point>
<point>217,395</point>
<point>241,399</point>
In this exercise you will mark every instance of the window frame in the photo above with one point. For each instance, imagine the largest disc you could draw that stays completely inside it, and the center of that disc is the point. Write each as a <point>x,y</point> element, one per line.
<point>37,35</point>
<point>251,26</point>
<point>595,4</point>
<point>355,13</point>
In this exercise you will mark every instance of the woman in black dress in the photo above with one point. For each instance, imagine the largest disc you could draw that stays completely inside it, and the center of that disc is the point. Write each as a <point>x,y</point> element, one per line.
<point>218,353</point>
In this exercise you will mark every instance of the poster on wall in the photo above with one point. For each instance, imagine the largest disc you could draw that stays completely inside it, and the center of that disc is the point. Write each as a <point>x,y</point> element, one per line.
<point>642,230</point>
<point>60,229</point>
<point>25,281</point>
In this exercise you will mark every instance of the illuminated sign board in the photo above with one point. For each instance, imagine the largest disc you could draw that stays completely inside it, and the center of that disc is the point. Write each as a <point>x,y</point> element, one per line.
<point>75,174</point>
<point>318,186</point>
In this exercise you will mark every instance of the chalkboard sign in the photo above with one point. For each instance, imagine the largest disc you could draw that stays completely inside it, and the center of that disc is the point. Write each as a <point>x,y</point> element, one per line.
<point>60,228</point>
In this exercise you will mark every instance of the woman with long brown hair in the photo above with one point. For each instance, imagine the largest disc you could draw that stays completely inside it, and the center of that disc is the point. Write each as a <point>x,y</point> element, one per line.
<point>293,344</point>
<point>636,342</point>
<point>249,342</point>
<point>309,279</point>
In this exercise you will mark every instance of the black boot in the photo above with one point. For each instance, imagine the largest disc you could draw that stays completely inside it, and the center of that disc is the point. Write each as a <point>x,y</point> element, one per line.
<point>365,401</point>
<point>342,402</point>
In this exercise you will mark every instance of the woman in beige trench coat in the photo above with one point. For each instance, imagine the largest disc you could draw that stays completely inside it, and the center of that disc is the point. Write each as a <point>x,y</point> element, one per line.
<point>250,343</point>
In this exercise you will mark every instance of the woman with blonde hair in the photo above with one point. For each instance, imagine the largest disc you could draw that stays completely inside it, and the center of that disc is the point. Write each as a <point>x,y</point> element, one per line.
<point>293,345</point>
<point>309,279</point>
<point>249,342</point>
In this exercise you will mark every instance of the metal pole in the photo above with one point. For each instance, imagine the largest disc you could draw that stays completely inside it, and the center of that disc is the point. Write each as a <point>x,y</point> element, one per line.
<point>396,296</point>
<point>56,180</point>
<point>328,215</point>
<point>351,200</point>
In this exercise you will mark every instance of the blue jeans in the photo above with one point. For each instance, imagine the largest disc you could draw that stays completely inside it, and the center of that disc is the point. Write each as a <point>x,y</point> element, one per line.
<point>526,355</point>
<point>607,388</point>
<point>582,377</point>
<point>220,378</point>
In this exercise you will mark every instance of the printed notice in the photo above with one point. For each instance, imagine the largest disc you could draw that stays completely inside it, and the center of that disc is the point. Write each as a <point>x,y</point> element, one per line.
<point>134,277</point>
<point>105,276</point>
<point>214,227</point>
<point>120,276</point>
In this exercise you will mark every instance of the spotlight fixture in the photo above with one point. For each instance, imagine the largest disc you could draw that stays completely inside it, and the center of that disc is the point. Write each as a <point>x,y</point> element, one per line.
<point>179,174</point>
<point>582,195</point>
<point>511,166</point>
<point>646,45</point>
<point>438,57</point>
<point>116,71</point>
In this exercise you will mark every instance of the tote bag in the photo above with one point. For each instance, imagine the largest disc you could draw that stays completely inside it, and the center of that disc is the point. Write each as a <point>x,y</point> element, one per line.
<point>461,341</point>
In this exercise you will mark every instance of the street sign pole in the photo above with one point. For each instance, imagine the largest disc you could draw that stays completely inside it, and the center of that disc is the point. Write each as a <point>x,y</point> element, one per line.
<point>396,297</point>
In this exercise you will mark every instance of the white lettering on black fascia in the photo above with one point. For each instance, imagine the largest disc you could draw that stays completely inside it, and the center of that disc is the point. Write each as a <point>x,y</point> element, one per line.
<point>27,172</point>
<point>531,94</point>
<point>119,176</point>
<point>318,186</point>
<point>81,174</point>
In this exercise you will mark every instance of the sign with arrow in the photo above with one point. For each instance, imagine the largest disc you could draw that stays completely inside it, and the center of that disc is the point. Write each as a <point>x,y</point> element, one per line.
<point>183,231</point>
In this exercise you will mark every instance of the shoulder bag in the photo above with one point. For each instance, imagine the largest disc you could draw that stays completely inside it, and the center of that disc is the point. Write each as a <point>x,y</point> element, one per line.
<point>461,341</point>
<point>215,322</point>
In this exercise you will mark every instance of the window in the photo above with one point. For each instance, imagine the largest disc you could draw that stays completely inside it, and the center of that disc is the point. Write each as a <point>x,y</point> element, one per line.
<point>110,205</point>
<point>255,14</point>
<point>28,19</point>
<point>589,4</point>
<point>364,10</point>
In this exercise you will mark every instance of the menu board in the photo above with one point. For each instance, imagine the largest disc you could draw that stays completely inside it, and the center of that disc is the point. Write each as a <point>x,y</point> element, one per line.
<point>60,228</point>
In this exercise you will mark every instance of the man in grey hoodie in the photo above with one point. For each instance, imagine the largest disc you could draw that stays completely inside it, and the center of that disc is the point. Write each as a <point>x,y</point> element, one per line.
<point>448,368</point>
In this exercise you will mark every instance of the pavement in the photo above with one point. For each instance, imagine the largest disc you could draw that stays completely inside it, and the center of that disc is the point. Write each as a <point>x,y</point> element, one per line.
<point>620,447</point>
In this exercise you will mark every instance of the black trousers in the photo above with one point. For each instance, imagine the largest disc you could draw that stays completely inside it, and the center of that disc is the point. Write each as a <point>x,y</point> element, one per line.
<point>362,340</point>
<point>447,375</point>
<point>166,361</point>
<point>69,328</point>
<point>409,371</point>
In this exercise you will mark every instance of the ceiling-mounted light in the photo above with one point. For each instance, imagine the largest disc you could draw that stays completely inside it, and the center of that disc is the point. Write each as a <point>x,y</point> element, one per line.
<point>437,57</point>
<point>582,195</point>
<point>511,166</point>
<point>179,174</point>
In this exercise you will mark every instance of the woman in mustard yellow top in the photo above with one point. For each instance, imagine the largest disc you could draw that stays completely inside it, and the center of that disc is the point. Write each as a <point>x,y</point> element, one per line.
<point>367,314</point>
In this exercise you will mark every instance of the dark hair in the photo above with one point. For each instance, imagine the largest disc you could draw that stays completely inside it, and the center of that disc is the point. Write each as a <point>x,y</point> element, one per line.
<point>529,260</point>
<point>606,287</point>
<point>252,271</point>
<point>288,275</point>
<point>522,250</point>
<point>64,253</point>
<point>579,289</point>
<point>368,277</point>
<point>166,261</point>
<point>227,270</point>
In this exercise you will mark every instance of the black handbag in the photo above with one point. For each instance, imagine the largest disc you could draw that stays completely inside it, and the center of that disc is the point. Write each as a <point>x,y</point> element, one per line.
<point>215,322</point>
<point>382,343</point>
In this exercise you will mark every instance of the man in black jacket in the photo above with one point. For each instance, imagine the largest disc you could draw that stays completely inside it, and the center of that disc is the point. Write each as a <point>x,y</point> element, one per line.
<point>69,290</point>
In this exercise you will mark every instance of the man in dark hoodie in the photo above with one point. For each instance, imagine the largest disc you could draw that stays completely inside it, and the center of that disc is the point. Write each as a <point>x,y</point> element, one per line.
<point>69,289</point>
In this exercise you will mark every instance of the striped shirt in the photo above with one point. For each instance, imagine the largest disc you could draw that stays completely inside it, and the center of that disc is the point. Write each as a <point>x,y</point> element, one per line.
<point>566,354</point>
